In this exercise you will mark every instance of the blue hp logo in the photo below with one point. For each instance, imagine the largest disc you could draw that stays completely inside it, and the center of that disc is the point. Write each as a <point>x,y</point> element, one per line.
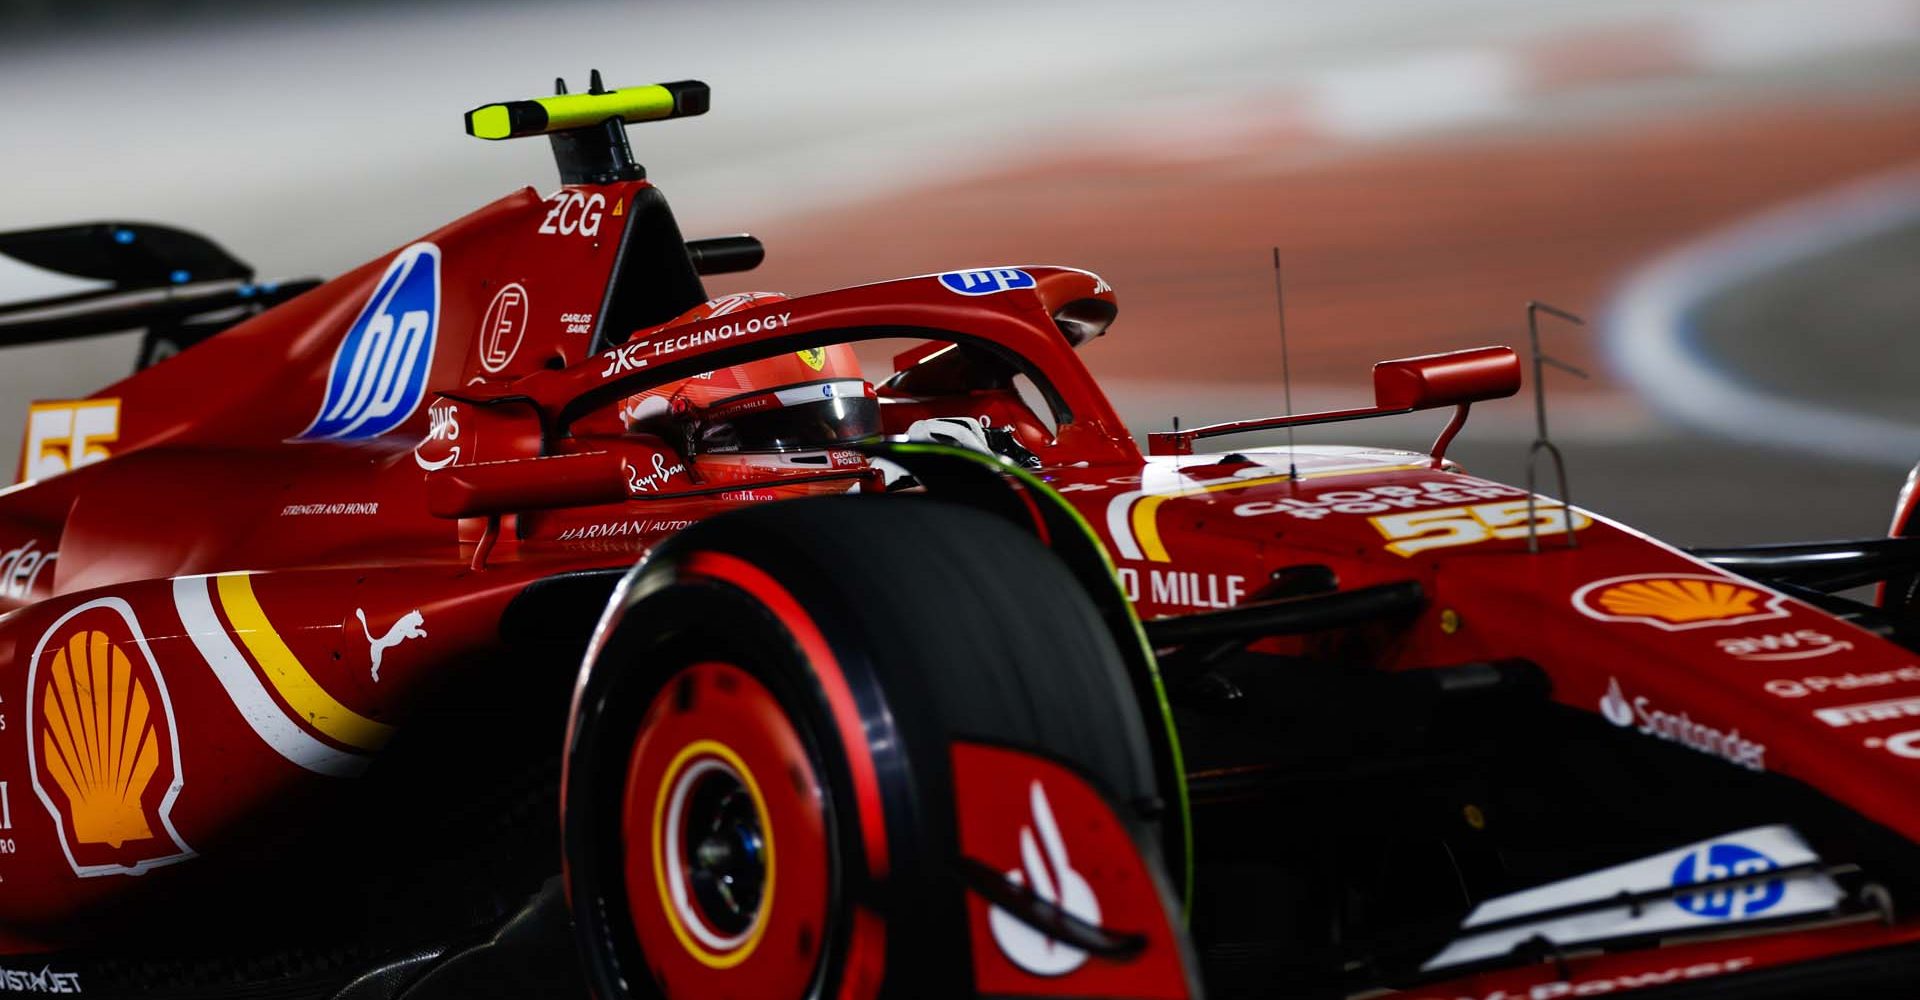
<point>1717,862</point>
<point>998,279</point>
<point>379,374</point>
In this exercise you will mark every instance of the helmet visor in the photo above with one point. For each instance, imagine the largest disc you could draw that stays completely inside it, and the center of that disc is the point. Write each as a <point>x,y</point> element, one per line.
<point>797,418</point>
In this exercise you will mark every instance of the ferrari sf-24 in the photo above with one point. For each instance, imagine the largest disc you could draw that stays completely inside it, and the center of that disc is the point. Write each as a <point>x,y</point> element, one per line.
<point>510,616</point>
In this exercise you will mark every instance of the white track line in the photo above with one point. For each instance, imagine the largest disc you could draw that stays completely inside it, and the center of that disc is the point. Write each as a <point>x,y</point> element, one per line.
<point>1650,339</point>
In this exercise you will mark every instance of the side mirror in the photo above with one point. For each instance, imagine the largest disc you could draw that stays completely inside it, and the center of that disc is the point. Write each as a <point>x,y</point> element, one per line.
<point>1451,379</point>
<point>1457,379</point>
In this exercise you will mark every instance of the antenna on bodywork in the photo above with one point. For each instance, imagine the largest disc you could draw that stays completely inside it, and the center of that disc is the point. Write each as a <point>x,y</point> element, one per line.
<point>1541,442</point>
<point>1286,366</point>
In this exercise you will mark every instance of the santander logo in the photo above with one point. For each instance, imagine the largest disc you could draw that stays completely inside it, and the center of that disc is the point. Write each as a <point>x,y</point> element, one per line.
<point>1640,714</point>
<point>1046,868</point>
<point>1614,704</point>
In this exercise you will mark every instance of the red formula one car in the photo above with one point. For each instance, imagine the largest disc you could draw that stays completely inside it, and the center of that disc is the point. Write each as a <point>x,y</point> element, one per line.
<point>507,617</point>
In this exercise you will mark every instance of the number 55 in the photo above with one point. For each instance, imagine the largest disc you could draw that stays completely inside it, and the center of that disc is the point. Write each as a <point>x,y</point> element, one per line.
<point>1451,526</point>
<point>67,435</point>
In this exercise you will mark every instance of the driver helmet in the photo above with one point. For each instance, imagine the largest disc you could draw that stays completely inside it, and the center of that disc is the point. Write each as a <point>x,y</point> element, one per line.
<point>793,413</point>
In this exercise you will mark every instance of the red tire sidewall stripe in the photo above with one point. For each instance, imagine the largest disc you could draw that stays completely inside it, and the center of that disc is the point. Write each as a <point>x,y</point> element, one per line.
<point>833,682</point>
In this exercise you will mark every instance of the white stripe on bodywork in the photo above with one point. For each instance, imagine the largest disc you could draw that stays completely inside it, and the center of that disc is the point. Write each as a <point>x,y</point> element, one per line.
<point>1167,480</point>
<point>193,596</point>
<point>1119,525</point>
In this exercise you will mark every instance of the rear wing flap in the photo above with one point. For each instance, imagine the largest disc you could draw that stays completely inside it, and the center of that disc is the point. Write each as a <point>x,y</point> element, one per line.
<point>177,286</point>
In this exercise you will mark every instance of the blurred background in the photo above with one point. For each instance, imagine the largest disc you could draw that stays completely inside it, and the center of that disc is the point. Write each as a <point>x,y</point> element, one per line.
<point>1729,191</point>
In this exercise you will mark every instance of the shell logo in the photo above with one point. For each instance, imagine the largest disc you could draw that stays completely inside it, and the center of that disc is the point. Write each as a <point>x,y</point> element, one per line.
<point>1677,601</point>
<point>101,742</point>
<point>98,739</point>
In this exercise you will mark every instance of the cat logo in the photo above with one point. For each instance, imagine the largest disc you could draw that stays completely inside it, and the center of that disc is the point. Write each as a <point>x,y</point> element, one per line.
<point>816,358</point>
<point>101,744</point>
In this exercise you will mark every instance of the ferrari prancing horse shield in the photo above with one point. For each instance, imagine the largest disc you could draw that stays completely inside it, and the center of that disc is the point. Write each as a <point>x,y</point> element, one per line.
<point>101,742</point>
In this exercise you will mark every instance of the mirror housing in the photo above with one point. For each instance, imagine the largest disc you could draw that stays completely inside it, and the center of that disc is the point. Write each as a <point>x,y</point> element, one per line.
<point>1403,385</point>
<point>1451,379</point>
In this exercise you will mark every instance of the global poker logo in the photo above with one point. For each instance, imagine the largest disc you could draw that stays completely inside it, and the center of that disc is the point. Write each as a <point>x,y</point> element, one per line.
<point>379,372</point>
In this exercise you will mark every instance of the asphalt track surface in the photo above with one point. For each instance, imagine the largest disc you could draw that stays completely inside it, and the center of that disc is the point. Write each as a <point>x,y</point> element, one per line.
<point>1837,328</point>
<point>1792,328</point>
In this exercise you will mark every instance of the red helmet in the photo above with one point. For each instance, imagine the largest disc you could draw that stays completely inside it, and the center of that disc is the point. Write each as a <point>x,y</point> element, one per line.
<point>792,412</point>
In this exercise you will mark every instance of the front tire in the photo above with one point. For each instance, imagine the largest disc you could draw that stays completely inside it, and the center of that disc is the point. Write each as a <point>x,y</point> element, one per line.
<point>758,796</point>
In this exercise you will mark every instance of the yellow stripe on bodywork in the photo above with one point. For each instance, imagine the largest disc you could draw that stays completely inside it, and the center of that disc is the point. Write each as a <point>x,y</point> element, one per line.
<point>301,692</point>
<point>1146,513</point>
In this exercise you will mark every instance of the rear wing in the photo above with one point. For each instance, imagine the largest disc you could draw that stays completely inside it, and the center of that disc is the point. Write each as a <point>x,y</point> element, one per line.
<point>178,287</point>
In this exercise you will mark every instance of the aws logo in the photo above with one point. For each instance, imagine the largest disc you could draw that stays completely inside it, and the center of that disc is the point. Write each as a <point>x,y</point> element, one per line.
<point>101,743</point>
<point>379,373</point>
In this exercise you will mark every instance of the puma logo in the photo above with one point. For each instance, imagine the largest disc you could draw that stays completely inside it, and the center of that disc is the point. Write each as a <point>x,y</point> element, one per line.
<point>411,625</point>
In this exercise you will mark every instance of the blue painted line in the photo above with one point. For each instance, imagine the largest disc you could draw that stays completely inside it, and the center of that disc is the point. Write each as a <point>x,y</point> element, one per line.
<point>1652,338</point>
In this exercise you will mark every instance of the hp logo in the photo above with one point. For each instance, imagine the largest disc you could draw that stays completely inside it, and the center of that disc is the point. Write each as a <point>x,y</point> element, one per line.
<point>1717,862</point>
<point>987,282</point>
<point>379,373</point>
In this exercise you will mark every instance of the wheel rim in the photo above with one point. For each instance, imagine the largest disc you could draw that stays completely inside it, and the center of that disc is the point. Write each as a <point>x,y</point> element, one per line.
<point>725,840</point>
<point>716,847</point>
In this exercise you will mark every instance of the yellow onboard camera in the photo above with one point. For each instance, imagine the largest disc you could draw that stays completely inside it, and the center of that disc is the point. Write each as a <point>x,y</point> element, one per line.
<point>546,115</point>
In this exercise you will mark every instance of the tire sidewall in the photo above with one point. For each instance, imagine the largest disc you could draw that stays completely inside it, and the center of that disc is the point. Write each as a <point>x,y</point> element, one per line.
<point>666,632</point>
<point>934,669</point>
